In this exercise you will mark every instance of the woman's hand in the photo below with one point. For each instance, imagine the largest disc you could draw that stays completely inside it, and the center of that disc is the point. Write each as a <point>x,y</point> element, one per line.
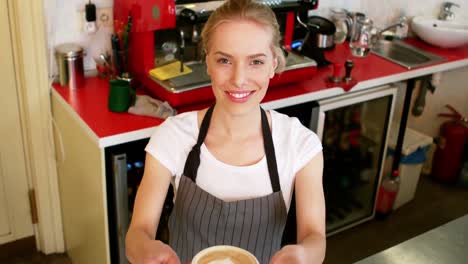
<point>156,252</point>
<point>291,254</point>
<point>140,246</point>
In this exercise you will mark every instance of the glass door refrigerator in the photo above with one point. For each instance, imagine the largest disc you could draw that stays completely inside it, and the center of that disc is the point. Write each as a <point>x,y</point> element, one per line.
<point>125,167</point>
<point>353,129</point>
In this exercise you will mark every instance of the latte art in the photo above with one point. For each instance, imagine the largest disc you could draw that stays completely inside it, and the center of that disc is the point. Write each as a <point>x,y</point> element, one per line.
<point>224,261</point>
<point>224,255</point>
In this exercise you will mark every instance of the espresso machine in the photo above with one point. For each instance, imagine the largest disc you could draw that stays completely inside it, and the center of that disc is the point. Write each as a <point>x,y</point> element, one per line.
<point>165,31</point>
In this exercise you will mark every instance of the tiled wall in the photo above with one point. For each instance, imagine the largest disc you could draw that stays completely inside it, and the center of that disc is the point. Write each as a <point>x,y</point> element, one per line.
<point>64,24</point>
<point>386,12</point>
<point>63,19</point>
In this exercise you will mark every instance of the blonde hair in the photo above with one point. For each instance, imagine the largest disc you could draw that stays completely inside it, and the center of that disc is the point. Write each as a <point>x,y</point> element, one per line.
<point>235,10</point>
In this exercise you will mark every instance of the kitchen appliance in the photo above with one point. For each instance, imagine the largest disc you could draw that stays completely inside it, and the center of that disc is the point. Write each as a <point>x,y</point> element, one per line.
<point>353,129</point>
<point>342,23</point>
<point>321,33</point>
<point>124,167</point>
<point>319,36</point>
<point>162,27</point>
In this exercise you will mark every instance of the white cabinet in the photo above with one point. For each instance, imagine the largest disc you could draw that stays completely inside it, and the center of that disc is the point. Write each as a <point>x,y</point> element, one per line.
<point>82,185</point>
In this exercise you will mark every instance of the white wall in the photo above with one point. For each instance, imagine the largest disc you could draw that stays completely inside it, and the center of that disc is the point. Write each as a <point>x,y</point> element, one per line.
<point>64,21</point>
<point>452,90</point>
<point>64,24</point>
<point>384,13</point>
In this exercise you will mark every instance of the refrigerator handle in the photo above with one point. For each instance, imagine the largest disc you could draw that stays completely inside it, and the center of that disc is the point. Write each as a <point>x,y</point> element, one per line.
<point>317,120</point>
<point>314,116</point>
<point>320,124</point>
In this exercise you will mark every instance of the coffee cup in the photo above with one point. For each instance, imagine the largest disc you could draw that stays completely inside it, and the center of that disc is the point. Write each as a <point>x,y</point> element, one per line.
<point>121,95</point>
<point>224,255</point>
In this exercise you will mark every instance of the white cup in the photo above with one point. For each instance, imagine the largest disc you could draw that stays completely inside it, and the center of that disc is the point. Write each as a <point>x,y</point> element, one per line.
<point>224,255</point>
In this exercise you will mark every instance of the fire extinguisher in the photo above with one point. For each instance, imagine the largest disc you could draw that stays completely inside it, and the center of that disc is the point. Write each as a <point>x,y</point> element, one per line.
<point>387,194</point>
<point>449,153</point>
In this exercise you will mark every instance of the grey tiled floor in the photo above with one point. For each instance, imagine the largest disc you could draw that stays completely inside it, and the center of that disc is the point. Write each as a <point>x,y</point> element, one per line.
<point>434,205</point>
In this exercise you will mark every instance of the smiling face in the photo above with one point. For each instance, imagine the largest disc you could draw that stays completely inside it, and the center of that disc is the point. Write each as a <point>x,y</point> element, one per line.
<point>240,63</point>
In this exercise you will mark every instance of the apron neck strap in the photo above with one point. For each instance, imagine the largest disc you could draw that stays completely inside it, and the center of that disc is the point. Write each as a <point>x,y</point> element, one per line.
<point>270,153</point>
<point>204,126</point>
<point>193,159</point>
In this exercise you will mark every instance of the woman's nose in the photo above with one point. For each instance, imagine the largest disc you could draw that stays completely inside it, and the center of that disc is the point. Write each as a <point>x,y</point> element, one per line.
<point>239,75</point>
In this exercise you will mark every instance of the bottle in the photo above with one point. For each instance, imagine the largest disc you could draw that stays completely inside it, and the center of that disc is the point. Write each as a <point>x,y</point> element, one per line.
<point>139,169</point>
<point>387,194</point>
<point>131,186</point>
<point>367,167</point>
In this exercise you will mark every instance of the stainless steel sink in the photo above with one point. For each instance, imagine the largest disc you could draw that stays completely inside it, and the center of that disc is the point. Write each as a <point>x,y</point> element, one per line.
<point>405,55</point>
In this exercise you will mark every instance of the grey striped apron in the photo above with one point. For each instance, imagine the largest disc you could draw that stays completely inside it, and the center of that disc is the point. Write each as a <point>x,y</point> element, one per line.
<point>200,220</point>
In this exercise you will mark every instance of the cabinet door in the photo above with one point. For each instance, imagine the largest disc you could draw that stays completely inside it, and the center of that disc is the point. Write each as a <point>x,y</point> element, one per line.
<point>354,132</point>
<point>15,217</point>
<point>82,186</point>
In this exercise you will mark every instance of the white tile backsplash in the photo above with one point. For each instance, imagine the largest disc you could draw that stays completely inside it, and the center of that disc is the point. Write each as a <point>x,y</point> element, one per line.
<point>63,19</point>
<point>64,24</point>
<point>384,13</point>
<point>387,12</point>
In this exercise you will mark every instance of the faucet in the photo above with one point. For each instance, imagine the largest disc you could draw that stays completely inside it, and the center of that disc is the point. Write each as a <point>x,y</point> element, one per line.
<point>401,23</point>
<point>446,13</point>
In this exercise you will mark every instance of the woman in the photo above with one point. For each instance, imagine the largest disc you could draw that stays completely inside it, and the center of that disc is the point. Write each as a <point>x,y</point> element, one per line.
<point>233,165</point>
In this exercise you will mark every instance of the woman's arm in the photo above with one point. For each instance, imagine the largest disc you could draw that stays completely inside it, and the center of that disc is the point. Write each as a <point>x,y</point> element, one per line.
<point>310,217</point>
<point>310,210</point>
<point>140,245</point>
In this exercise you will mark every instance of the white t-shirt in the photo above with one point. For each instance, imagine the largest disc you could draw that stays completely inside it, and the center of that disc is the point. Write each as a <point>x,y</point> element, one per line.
<point>295,145</point>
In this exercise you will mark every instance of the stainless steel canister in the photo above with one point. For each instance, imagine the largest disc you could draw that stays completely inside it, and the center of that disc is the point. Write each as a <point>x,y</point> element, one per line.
<point>70,64</point>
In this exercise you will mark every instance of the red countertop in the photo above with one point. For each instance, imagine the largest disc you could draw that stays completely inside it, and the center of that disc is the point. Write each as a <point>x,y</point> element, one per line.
<point>90,101</point>
<point>365,69</point>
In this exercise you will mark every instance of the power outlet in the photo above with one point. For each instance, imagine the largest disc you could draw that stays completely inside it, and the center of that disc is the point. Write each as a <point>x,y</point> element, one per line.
<point>105,17</point>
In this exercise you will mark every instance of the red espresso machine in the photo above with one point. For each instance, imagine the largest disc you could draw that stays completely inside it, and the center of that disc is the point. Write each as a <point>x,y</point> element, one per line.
<point>154,20</point>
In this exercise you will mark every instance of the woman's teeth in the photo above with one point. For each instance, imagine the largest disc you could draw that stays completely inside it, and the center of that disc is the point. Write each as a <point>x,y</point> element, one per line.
<point>239,95</point>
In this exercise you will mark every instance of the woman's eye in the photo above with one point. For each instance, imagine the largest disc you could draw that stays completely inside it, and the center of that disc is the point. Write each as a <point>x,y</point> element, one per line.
<point>223,61</point>
<point>257,62</point>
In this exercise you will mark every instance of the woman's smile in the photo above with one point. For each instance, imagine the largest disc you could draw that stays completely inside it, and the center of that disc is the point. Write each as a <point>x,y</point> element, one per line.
<point>239,96</point>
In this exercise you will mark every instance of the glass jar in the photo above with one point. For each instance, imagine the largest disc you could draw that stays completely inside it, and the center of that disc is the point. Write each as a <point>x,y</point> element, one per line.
<point>362,38</point>
<point>339,17</point>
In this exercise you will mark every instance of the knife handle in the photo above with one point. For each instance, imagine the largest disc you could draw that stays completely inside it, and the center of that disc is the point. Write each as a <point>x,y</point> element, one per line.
<point>116,50</point>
